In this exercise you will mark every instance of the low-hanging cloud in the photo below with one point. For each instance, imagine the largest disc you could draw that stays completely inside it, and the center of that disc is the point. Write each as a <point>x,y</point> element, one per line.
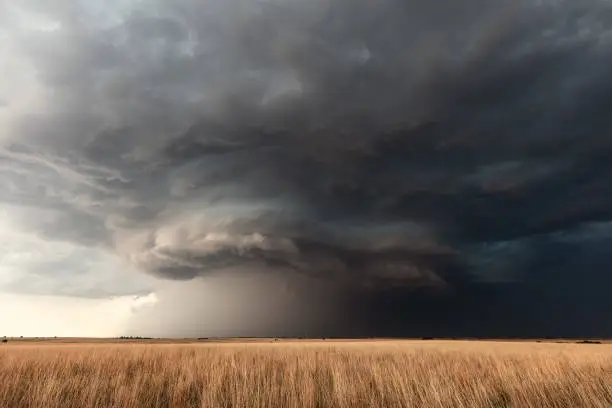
<point>421,157</point>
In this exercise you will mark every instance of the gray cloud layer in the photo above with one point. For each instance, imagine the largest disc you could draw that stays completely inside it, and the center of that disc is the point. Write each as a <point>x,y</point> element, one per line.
<point>378,144</point>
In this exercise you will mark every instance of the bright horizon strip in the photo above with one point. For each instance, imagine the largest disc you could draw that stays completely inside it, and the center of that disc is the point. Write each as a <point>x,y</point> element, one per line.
<point>62,316</point>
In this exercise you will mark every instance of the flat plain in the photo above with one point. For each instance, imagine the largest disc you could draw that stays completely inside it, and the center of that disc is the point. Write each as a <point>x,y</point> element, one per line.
<point>71,373</point>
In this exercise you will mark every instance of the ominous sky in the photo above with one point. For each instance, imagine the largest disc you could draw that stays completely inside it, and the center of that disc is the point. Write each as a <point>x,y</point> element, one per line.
<point>310,167</point>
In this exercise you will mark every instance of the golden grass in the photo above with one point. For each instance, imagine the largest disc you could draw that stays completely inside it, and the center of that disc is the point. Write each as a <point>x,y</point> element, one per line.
<point>302,374</point>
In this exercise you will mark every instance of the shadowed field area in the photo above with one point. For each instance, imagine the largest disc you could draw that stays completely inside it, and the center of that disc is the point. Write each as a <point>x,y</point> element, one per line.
<point>306,374</point>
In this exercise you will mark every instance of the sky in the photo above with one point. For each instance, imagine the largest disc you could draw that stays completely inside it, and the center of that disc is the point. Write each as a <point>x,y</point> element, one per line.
<point>30,315</point>
<point>293,167</point>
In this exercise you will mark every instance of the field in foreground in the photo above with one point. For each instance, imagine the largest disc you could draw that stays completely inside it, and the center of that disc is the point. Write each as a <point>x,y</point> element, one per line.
<point>306,374</point>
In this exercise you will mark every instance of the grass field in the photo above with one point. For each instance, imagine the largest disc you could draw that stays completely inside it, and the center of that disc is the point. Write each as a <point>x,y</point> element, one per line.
<point>305,374</point>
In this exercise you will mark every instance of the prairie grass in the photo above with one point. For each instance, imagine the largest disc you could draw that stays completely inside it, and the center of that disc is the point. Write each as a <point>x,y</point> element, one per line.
<point>306,374</point>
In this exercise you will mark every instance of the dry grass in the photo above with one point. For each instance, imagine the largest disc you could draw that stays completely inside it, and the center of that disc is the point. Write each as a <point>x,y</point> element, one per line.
<point>317,374</point>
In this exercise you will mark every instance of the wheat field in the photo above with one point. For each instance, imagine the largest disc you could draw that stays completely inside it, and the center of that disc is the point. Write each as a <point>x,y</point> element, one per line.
<point>306,374</point>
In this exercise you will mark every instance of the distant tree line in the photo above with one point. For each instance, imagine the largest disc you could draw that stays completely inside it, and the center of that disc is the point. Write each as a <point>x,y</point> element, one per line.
<point>135,338</point>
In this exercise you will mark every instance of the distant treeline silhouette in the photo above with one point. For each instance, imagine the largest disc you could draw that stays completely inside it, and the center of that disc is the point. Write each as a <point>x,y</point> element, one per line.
<point>135,338</point>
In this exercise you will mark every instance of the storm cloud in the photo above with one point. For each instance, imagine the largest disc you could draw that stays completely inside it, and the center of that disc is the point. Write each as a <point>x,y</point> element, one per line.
<point>439,168</point>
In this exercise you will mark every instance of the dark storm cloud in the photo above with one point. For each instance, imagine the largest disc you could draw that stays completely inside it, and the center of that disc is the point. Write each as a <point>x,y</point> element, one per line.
<point>395,148</point>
